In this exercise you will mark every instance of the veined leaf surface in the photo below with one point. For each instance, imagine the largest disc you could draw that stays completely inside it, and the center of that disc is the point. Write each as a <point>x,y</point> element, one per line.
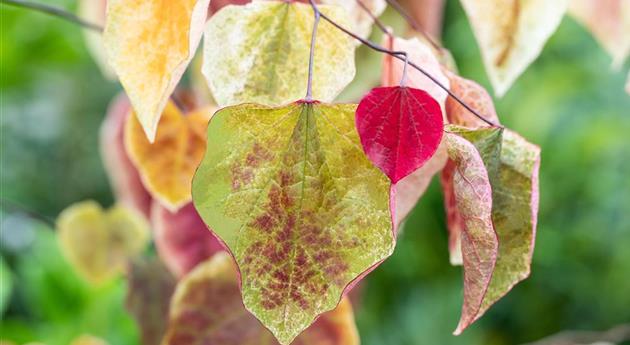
<point>98,243</point>
<point>266,60</point>
<point>303,211</point>
<point>167,165</point>
<point>207,309</point>
<point>511,34</point>
<point>476,97</point>
<point>149,45</point>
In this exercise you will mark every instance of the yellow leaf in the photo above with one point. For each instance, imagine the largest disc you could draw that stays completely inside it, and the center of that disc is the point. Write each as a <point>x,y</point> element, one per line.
<point>609,22</point>
<point>167,165</point>
<point>259,53</point>
<point>149,44</point>
<point>97,243</point>
<point>511,34</point>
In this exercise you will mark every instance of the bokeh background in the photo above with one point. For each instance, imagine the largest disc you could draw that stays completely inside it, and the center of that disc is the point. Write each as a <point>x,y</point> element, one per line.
<point>53,99</point>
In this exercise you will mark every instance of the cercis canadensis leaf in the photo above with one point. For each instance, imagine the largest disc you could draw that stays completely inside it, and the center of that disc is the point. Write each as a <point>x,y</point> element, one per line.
<point>182,239</point>
<point>475,96</point>
<point>479,243</point>
<point>123,175</point>
<point>400,129</point>
<point>269,44</point>
<point>423,56</point>
<point>150,289</point>
<point>609,22</point>
<point>98,243</point>
<point>511,34</point>
<point>149,45</point>
<point>167,165</point>
<point>302,210</point>
<point>207,309</point>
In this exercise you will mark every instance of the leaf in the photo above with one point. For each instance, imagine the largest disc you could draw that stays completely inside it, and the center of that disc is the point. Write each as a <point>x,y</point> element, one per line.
<point>150,289</point>
<point>511,34</point>
<point>93,11</point>
<point>167,165</point>
<point>6,285</point>
<point>149,44</point>
<point>422,55</point>
<point>300,207</point>
<point>476,97</point>
<point>514,181</point>
<point>267,58</point>
<point>609,22</point>
<point>400,129</point>
<point>361,20</point>
<point>479,243</point>
<point>97,243</point>
<point>182,239</point>
<point>207,309</point>
<point>409,189</point>
<point>123,175</point>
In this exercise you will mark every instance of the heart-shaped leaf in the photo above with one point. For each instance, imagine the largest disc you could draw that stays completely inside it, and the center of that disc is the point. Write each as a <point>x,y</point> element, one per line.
<point>511,34</point>
<point>98,243</point>
<point>400,129</point>
<point>150,289</point>
<point>182,239</point>
<point>167,165</point>
<point>207,309</point>
<point>269,47</point>
<point>149,44</point>
<point>123,175</point>
<point>609,22</point>
<point>479,242</point>
<point>303,211</point>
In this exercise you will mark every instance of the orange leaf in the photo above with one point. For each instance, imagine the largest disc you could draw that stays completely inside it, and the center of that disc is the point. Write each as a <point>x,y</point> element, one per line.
<point>167,166</point>
<point>149,44</point>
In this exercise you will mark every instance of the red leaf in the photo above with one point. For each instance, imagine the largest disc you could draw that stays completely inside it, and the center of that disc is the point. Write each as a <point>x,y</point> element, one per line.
<point>182,239</point>
<point>123,176</point>
<point>400,129</point>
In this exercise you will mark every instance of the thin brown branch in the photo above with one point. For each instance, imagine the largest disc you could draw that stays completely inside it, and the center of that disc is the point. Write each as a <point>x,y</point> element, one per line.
<point>53,11</point>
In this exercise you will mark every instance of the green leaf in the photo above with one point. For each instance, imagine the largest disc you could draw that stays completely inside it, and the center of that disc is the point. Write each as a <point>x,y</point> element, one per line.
<point>292,195</point>
<point>151,286</point>
<point>266,60</point>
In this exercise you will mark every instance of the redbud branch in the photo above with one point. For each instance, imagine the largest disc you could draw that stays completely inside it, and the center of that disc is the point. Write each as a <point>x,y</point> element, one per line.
<point>54,11</point>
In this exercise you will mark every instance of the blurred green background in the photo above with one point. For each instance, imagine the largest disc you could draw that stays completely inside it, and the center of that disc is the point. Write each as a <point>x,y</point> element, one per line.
<point>569,102</point>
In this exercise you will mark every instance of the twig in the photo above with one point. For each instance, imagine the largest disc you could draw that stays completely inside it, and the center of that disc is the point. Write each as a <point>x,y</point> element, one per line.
<point>54,11</point>
<point>15,207</point>
<point>401,56</point>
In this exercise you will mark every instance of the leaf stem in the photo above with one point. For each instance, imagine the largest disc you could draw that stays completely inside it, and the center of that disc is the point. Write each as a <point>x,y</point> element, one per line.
<point>309,85</point>
<point>54,11</point>
<point>402,57</point>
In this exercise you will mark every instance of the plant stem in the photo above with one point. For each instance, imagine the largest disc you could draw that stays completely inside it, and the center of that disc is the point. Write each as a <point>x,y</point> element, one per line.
<point>54,11</point>
<point>309,86</point>
<point>15,207</point>
<point>402,56</point>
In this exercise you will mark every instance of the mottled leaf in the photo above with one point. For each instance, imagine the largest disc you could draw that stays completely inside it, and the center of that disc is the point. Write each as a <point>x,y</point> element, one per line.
<point>98,243</point>
<point>609,22</point>
<point>167,165</point>
<point>93,11</point>
<point>148,297</point>
<point>149,44</point>
<point>400,129</point>
<point>511,34</point>
<point>476,97</point>
<point>301,208</point>
<point>361,20</point>
<point>479,243</point>
<point>266,60</point>
<point>182,239</point>
<point>207,309</point>
<point>123,175</point>
<point>422,55</point>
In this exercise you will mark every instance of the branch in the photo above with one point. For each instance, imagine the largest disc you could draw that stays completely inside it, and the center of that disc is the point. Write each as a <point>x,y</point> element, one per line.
<point>15,207</point>
<point>402,56</point>
<point>53,11</point>
<point>377,21</point>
